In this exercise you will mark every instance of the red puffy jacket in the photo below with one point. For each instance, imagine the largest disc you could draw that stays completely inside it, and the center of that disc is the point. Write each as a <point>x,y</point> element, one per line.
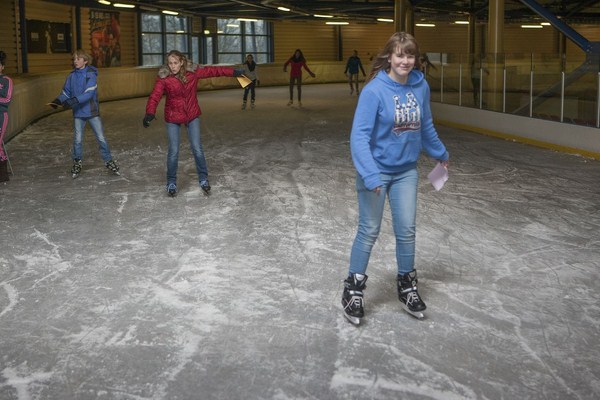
<point>181,106</point>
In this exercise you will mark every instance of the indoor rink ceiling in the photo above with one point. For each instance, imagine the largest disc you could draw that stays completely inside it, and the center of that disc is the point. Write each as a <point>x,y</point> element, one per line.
<point>367,11</point>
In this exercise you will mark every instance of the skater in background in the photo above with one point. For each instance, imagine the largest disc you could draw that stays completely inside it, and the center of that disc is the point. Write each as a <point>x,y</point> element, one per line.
<point>392,123</point>
<point>179,85</point>
<point>80,93</point>
<point>6,90</point>
<point>297,62</point>
<point>353,65</point>
<point>250,72</point>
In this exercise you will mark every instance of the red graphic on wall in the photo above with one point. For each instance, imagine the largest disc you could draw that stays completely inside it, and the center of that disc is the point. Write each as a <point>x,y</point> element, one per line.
<point>106,35</point>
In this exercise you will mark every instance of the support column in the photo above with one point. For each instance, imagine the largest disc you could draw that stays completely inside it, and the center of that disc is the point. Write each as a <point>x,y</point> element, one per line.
<point>400,10</point>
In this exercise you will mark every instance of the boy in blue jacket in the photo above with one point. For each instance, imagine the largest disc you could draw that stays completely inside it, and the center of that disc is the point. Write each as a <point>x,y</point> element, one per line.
<point>80,94</point>
<point>392,124</point>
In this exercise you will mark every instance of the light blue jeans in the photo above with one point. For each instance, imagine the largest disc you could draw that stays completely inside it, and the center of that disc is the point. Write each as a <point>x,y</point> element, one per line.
<point>96,124</point>
<point>193,131</point>
<point>401,190</point>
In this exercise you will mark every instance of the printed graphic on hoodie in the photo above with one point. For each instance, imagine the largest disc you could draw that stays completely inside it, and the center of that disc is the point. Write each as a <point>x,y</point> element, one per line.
<point>407,115</point>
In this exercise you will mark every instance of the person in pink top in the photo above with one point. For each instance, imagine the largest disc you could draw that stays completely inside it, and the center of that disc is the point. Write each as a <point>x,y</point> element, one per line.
<point>297,61</point>
<point>6,90</point>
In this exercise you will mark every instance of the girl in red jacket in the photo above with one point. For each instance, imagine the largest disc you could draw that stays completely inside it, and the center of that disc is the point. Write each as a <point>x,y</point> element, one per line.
<point>181,108</point>
<point>298,62</point>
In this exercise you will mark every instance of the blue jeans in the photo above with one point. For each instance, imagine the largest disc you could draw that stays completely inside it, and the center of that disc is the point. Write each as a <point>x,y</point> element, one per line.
<point>96,124</point>
<point>193,131</point>
<point>401,190</point>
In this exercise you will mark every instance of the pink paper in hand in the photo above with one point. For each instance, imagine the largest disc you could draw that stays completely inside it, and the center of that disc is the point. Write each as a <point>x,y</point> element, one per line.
<point>438,176</point>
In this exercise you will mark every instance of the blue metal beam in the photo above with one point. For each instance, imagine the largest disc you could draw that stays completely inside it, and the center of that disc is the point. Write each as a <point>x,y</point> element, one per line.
<point>572,34</point>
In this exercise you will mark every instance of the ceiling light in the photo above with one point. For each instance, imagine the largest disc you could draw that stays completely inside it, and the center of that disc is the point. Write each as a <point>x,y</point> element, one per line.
<point>169,12</point>
<point>322,16</point>
<point>283,9</point>
<point>385,20</point>
<point>532,26</point>
<point>121,5</point>
<point>104,2</point>
<point>233,25</point>
<point>247,19</point>
<point>545,24</point>
<point>336,23</point>
<point>461,22</point>
<point>426,25</point>
<point>206,32</point>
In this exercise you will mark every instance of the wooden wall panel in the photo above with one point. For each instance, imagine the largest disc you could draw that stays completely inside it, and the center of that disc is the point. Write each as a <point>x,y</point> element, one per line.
<point>9,36</point>
<point>40,10</point>
<point>318,42</point>
<point>367,39</point>
<point>540,41</point>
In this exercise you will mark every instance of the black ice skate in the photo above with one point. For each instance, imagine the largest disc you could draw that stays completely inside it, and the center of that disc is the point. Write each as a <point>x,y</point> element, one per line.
<point>244,105</point>
<point>76,168</point>
<point>409,296</point>
<point>352,299</point>
<point>205,186</point>
<point>172,189</point>
<point>113,167</point>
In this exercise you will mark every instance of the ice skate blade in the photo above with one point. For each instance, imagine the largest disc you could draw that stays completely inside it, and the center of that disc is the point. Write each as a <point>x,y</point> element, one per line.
<point>206,192</point>
<point>353,320</point>
<point>416,314</point>
<point>174,194</point>
<point>74,175</point>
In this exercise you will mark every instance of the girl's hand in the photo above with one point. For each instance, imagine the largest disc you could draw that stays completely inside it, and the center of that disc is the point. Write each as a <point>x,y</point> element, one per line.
<point>377,190</point>
<point>445,164</point>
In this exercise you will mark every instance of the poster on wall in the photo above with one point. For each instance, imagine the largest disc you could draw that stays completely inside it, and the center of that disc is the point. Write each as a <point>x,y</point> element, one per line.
<point>105,35</point>
<point>48,37</point>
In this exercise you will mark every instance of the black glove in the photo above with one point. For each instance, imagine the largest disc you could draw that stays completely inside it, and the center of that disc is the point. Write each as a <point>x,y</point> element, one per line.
<point>238,72</point>
<point>55,103</point>
<point>147,119</point>
<point>69,103</point>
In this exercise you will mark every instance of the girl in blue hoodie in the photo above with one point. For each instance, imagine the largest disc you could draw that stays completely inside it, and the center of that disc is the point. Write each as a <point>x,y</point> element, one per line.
<point>392,125</point>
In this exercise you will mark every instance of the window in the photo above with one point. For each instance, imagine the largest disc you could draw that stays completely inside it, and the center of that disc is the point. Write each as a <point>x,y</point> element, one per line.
<point>236,39</point>
<point>160,34</point>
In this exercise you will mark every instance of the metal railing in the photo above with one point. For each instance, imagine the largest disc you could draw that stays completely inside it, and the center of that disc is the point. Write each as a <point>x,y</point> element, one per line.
<point>534,85</point>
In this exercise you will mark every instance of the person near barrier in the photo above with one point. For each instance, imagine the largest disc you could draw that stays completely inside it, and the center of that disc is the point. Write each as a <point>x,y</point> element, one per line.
<point>297,62</point>
<point>6,90</point>
<point>353,65</point>
<point>250,72</point>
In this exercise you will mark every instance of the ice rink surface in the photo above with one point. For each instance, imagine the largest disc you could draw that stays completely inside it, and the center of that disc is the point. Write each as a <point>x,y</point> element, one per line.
<point>109,289</point>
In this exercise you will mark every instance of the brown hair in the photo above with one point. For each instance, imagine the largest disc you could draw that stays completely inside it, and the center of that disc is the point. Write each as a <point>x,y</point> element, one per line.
<point>399,41</point>
<point>181,74</point>
<point>79,53</point>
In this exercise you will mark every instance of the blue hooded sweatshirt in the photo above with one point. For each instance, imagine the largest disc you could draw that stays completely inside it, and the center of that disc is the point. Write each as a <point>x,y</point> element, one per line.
<point>81,83</point>
<point>392,124</point>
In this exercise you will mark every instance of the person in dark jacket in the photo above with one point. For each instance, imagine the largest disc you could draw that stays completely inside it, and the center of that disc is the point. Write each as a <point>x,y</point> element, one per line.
<point>179,85</point>
<point>80,93</point>
<point>353,65</point>
<point>297,61</point>
<point>6,89</point>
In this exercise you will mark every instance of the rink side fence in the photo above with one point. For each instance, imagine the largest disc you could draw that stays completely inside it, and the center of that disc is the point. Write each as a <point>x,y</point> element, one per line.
<point>32,92</point>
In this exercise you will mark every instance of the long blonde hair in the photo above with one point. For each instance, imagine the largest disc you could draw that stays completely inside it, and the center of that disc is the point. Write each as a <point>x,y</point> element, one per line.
<point>183,59</point>
<point>399,41</point>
